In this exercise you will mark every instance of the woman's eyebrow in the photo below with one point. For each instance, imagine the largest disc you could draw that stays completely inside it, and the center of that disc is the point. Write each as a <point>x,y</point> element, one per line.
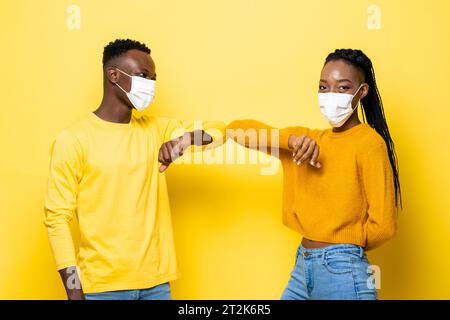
<point>344,80</point>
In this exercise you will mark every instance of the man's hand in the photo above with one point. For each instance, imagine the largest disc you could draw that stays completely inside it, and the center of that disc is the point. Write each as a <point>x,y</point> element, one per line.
<point>304,149</point>
<point>173,149</point>
<point>72,283</point>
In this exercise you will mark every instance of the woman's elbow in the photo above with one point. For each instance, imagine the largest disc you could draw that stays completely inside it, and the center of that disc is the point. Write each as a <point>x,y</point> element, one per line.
<point>381,236</point>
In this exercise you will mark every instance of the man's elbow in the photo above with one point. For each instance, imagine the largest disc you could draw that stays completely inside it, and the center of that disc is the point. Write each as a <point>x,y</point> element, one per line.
<point>54,219</point>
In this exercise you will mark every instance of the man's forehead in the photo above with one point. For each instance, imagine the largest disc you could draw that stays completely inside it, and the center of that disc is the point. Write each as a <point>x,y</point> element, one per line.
<point>138,59</point>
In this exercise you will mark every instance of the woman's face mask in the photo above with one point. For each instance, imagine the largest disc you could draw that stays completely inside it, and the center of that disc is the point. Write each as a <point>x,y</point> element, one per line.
<point>337,107</point>
<point>141,93</point>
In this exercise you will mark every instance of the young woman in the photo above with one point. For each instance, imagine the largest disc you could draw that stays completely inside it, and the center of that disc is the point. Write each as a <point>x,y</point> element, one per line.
<point>344,201</point>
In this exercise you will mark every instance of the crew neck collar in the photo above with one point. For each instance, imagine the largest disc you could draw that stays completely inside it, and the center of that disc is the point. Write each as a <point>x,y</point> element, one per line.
<point>347,132</point>
<point>110,124</point>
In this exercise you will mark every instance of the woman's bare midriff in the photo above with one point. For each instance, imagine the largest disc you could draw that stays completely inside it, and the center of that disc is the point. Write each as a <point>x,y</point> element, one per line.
<point>311,244</point>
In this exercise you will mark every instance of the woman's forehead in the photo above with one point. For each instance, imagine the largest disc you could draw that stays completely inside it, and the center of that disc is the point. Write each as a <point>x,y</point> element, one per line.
<point>336,70</point>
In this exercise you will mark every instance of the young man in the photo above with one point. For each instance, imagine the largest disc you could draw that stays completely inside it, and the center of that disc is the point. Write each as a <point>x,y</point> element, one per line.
<point>104,169</point>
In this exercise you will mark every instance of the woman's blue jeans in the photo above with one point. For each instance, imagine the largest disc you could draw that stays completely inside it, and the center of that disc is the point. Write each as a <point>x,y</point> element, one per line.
<point>335,272</point>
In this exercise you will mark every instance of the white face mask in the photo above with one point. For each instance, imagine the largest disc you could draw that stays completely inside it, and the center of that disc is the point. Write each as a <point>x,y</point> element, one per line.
<point>337,107</point>
<point>141,93</point>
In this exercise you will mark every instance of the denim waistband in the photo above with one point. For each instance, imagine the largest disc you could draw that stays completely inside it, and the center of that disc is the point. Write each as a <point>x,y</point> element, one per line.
<point>332,249</point>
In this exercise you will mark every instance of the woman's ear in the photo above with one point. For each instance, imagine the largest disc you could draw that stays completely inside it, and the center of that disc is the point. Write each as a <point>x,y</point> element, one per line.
<point>364,90</point>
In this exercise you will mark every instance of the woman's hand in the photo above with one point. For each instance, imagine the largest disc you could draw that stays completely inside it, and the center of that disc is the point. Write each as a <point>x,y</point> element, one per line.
<point>304,149</point>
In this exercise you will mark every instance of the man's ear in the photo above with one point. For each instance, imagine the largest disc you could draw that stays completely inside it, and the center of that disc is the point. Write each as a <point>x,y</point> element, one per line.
<point>112,74</point>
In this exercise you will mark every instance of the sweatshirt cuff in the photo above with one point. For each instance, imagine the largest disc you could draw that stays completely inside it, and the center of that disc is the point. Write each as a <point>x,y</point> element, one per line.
<point>63,265</point>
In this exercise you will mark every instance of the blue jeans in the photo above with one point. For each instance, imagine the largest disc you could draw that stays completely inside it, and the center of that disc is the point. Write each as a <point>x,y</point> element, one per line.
<point>336,272</point>
<point>160,292</point>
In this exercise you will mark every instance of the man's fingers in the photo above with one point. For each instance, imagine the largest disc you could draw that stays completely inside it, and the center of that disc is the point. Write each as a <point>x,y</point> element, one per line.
<point>160,154</point>
<point>169,148</point>
<point>169,152</point>
<point>177,151</point>
<point>163,167</point>
<point>166,153</point>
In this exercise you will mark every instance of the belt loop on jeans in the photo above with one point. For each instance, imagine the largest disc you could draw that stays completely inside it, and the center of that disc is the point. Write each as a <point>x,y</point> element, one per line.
<point>324,253</point>
<point>361,252</point>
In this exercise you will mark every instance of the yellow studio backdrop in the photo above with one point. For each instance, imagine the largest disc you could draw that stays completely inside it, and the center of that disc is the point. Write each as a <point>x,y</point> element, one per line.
<point>227,59</point>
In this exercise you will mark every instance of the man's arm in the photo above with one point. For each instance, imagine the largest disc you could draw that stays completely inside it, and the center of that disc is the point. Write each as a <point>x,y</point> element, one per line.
<point>173,149</point>
<point>65,172</point>
<point>72,284</point>
<point>178,136</point>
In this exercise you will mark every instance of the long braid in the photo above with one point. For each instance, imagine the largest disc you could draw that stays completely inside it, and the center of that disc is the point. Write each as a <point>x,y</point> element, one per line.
<point>372,106</point>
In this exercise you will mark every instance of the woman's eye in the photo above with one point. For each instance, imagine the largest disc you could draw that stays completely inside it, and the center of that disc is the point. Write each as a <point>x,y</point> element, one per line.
<point>344,88</point>
<point>321,88</point>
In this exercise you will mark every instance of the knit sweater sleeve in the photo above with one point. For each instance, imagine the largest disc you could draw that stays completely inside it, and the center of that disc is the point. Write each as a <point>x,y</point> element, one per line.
<point>260,136</point>
<point>378,184</point>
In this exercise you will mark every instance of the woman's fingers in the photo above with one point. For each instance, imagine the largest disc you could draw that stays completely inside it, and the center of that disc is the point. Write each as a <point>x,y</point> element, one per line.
<point>314,157</point>
<point>309,151</point>
<point>305,149</point>
<point>299,154</point>
<point>298,142</point>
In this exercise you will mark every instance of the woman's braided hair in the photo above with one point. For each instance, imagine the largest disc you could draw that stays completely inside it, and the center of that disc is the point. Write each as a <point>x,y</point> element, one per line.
<point>372,106</point>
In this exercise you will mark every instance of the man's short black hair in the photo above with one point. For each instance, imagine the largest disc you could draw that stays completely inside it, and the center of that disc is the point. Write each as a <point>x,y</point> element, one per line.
<point>120,46</point>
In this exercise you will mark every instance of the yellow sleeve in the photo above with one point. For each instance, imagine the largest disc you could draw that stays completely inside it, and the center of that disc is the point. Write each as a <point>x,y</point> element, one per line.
<point>61,196</point>
<point>173,128</point>
<point>378,183</point>
<point>257,135</point>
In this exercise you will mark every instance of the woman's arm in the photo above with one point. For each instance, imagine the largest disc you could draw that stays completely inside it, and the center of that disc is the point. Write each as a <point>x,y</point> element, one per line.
<point>378,183</point>
<point>262,137</point>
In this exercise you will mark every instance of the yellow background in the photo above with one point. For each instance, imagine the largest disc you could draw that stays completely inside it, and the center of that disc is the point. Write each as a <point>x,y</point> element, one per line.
<point>227,59</point>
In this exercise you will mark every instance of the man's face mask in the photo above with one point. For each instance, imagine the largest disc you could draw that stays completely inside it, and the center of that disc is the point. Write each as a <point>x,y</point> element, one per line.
<point>337,107</point>
<point>141,93</point>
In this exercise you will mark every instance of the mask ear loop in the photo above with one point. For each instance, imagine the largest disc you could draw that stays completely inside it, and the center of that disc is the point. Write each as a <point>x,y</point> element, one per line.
<point>131,76</point>
<point>127,75</point>
<point>359,100</point>
<point>120,87</point>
